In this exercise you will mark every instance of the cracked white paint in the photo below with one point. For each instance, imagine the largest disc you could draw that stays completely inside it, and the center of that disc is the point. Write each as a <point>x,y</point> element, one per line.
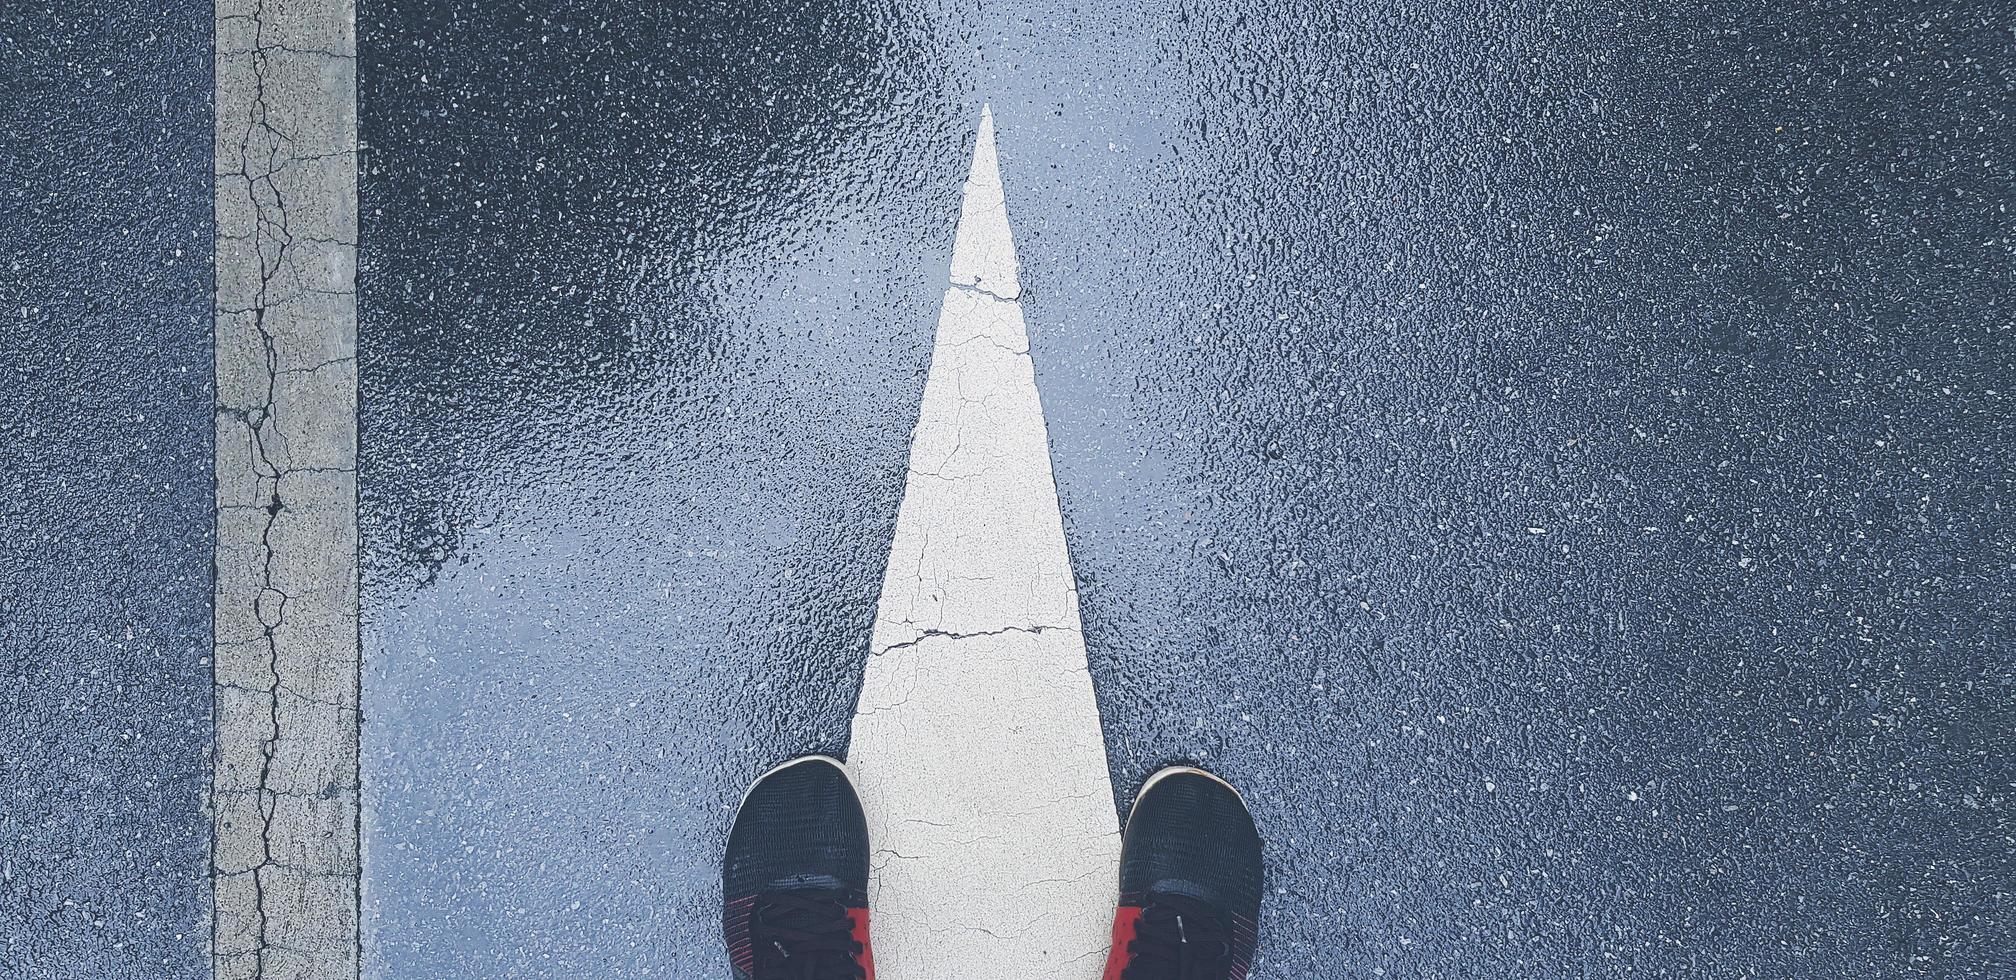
<point>976,742</point>
<point>284,792</point>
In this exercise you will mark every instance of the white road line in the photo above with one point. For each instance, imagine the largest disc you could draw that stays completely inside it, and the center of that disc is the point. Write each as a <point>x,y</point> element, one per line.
<point>284,790</point>
<point>976,741</point>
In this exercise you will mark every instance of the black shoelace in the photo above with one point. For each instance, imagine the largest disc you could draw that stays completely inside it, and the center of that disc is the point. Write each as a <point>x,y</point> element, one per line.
<point>803,937</point>
<point>1178,938</point>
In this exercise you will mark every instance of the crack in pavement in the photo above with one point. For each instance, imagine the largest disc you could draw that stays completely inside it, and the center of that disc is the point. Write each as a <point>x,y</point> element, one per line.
<point>284,791</point>
<point>948,635</point>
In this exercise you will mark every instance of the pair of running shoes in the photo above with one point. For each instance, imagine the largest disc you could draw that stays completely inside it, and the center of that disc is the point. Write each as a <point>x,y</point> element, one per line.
<point>794,880</point>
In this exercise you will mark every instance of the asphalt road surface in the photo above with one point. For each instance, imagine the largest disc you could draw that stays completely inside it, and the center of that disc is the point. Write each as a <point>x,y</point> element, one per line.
<point>1555,460</point>
<point>105,497</point>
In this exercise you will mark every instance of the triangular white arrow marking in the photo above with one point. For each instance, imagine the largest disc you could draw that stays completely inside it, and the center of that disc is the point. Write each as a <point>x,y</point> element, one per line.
<point>976,742</point>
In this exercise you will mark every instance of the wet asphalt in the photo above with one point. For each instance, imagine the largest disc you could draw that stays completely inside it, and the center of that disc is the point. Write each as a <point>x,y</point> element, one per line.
<point>645,301</point>
<point>1553,459</point>
<point>105,489</point>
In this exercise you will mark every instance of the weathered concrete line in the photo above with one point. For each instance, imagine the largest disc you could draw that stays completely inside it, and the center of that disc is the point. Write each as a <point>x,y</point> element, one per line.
<point>977,741</point>
<point>285,790</point>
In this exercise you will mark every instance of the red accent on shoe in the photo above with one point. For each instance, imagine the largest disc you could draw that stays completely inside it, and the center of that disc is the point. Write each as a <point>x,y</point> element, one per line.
<point>1124,921</point>
<point>867,955</point>
<point>735,925</point>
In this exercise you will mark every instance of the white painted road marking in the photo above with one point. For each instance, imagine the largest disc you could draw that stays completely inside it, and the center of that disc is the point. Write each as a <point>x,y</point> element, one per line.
<point>976,742</point>
<point>284,790</point>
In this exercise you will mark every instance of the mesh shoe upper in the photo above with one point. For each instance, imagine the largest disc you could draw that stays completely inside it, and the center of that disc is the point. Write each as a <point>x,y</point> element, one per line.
<point>794,878</point>
<point>1190,883</point>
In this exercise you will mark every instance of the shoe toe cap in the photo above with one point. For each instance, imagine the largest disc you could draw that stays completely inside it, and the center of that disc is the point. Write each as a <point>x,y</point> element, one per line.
<point>1190,834</point>
<point>800,827</point>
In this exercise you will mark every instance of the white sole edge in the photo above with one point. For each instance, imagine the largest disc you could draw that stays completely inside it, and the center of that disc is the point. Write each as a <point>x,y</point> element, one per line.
<point>1166,772</point>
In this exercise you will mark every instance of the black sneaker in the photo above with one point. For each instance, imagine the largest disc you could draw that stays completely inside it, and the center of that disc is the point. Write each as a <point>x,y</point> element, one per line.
<point>1189,882</point>
<point>794,881</point>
